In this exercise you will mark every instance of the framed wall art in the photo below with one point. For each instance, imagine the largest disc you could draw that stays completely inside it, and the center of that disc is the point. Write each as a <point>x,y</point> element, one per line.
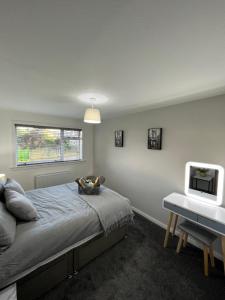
<point>155,138</point>
<point>119,138</point>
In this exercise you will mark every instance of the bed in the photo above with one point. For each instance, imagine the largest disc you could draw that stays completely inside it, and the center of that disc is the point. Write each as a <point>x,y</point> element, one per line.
<point>70,231</point>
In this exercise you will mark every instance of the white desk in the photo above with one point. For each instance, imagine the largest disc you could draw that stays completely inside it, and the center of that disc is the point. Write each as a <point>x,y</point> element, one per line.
<point>206,215</point>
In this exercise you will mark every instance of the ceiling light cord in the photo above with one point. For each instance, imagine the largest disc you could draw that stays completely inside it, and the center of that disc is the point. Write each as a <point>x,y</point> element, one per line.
<point>92,102</point>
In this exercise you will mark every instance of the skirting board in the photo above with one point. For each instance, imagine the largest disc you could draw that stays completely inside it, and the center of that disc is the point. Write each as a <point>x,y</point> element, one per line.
<point>164,226</point>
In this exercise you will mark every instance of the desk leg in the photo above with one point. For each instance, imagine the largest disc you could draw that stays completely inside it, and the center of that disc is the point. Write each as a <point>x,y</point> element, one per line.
<point>174,224</point>
<point>168,230</point>
<point>223,250</point>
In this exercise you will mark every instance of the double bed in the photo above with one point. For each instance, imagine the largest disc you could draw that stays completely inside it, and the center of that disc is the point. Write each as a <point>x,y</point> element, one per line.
<point>71,230</point>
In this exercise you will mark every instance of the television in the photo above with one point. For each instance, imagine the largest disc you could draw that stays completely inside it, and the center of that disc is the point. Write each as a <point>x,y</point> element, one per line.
<point>204,182</point>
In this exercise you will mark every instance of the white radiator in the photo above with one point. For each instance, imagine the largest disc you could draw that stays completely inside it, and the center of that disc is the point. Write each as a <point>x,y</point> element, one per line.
<point>50,179</point>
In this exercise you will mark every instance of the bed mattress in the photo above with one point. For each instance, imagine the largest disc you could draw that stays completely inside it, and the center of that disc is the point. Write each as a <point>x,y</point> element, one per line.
<point>64,220</point>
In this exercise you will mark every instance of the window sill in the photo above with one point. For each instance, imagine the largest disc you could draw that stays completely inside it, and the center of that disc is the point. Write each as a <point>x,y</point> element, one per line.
<point>46,165</point>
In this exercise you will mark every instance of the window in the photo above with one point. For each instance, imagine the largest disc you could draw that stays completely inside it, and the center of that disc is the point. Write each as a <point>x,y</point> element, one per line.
<point>38,145</point>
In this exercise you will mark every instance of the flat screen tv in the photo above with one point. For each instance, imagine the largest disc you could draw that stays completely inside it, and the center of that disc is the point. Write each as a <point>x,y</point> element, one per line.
<point>204,182</point>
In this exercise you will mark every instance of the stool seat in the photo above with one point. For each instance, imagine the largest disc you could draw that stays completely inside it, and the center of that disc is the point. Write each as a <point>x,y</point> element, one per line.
<point>199,233</point>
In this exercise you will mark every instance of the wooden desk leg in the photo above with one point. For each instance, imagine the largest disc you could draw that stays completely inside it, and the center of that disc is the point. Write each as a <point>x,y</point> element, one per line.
<point>174,224</point>
<point>168,229</point>
<point>223,250</point>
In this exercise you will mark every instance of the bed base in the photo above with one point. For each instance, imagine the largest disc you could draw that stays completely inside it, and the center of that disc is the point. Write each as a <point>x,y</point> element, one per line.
<point>40,281</point>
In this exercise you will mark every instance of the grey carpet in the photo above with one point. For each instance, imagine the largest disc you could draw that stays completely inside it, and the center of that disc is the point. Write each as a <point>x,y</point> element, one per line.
<point>140,268</point>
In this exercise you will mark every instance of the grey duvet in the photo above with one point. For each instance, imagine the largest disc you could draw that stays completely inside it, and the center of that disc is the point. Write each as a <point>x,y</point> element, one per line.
<point>64,219</point>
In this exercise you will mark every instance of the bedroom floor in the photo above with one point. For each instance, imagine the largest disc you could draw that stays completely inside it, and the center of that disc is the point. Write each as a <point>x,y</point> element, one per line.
<point>140,268</point>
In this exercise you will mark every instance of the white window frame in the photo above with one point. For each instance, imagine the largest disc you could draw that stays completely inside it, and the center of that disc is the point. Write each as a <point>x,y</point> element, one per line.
<point>44,163</point>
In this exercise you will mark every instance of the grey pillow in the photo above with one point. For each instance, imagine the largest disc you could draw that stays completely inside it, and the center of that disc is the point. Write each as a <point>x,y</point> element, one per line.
<point>12,184</point>
<point>7,228</point>
<point>20,206</point>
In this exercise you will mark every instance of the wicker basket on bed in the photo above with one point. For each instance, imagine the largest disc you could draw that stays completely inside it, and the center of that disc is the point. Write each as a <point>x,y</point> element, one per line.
<point>90,185</point>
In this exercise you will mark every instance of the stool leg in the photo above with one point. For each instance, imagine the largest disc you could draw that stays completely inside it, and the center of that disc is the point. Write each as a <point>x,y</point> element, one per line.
<point>211,255</point>
<point>180,242</point>
<point>206,264</point>
<point>185,239</point>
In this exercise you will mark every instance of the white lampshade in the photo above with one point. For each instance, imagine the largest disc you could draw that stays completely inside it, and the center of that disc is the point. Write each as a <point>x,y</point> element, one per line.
<point>2,178</point>
<point>92,115</point>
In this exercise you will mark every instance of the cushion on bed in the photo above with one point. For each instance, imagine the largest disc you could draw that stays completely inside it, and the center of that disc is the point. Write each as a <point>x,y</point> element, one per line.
<point>20,206</point>
<point>12,184</point>
<point>7,228</point>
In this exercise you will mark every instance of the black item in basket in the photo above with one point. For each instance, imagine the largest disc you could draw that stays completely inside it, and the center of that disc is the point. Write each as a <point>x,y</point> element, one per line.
<point>88,191</point>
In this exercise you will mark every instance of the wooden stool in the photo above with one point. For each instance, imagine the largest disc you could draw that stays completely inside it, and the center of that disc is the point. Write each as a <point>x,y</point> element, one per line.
<point>200,234</point>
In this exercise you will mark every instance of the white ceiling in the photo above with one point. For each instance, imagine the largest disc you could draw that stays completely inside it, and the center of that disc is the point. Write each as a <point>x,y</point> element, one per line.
<point>138,53</point>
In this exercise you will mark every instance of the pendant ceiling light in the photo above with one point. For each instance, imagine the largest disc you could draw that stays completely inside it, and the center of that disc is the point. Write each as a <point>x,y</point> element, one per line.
<point>92,115</point>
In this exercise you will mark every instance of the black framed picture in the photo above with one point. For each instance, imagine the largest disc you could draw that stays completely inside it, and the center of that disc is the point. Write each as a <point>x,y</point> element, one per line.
<point>155,138</point>
<point>119,138</point>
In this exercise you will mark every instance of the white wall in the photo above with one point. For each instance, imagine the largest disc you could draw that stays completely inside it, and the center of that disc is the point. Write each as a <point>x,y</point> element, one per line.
<point>193,131</point>
<point>25,175</point>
